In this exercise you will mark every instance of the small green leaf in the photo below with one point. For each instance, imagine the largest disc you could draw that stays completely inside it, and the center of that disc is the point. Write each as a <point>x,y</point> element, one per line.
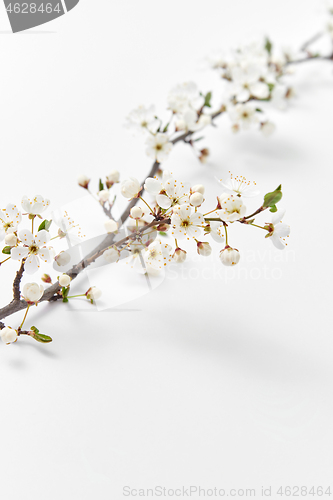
<point>271,199</point>
<point>162,233</point>
<point>198,139</point>
<point>268,45</point>
<point>270,86</point>
<point>166,127</point>
<point>46,224</point>
<point>208,97</point>
<point>273,209</point>
<point>64,293</point>
<point>259,110</point>
<point>6,250</point>
<point>44,339</point>
<point>101,185</point>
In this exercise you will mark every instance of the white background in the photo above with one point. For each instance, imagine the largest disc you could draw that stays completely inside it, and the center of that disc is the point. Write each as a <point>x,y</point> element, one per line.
<point>213,379</point>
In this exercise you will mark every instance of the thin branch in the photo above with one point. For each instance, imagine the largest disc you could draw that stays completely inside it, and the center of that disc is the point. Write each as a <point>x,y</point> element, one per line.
<point>312,40</point>
<point>17,282</point>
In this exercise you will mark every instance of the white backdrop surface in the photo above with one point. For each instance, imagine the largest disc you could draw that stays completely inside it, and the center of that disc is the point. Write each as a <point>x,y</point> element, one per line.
<point>216,378</point>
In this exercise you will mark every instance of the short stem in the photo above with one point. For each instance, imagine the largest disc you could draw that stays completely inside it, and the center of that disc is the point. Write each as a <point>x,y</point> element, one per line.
<point>260,227</point>
<point>226,233</point>
<point>146,204</point>
<point>210,212</point>
<point>74,296</point>
<point>25,316</point>
<point>5,260</point>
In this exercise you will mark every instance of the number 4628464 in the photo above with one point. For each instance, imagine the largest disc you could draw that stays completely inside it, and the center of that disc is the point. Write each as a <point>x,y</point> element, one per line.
<point>33,8</point>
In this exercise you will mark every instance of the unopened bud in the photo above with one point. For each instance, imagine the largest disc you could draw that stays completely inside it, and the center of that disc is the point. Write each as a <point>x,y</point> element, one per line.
<point>229,256</point>
<point>204,153</point>
<point>11,239</point>
<point>204,249</point>
<point>136,213</point>
<point>179,256</point>
<point>46,278</point>
<point>83,181</point>
<point>111,226</point>
<point>196,199</point>
<point>62,259</point>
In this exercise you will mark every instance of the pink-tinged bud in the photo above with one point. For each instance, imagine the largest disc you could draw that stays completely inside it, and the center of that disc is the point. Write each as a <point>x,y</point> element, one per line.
<point>62,259</point>
<point>83,181</point>
<point>179,256</point>
<point>229,256</point>
<point>46,278</point>
<point>93,293</point>
<point>204,249</point>
<point>204,153</point>
<point>163,228</point>
<point>112,178</point>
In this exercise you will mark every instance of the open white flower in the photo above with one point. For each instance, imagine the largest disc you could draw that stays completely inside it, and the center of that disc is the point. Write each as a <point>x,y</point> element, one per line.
<point>247,82</point>
<point>243,115</point>
<point>143,119</point>
<point>68,228</point>
<point>189,121</point>
<point>278,230</point>
<point>8,335</point>
<point>232,208</point>
<point>10,217</point>
<point>32,292</point>
<point>217,231</point>
<point>156,256</point>
<point>184,223</point>
<point>167,192</point>
<point>32,249</point>
<point>159,146</point>
<point>240,186</point>
<point>34,206</point>
<point>183,97</point>
<point>130,188</point>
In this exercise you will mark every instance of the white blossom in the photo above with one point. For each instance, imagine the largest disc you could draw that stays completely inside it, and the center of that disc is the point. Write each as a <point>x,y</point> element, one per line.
<point>11,239</point>
<point>111,255</point>
<point>217,231</point>
<point>136,213</point>
<point>34,206</point>
<point>10,217</point>
<point>112,178</point>
<point>32,249</point>
<point>247,82</point>
<point>143,119</point>
<point>62,259</point>
<point>240,186</point>
<point>179,255</point>
<point>159,146</point>
<point>184,223</point>
<point>167,192</point>
<point>104,195</point>
<point>83,181</point>
<point>64,280</point>
<point>232,208</point>
<point>93,293</point>
<point>32,292</point>
<point>130,188</point>
<point>204,248</point>
<point>183,97</point>
<point>8,335</point>
<point>243,115</point>
<point>229,256</point>
<point>267,128</point>
<point>190,121</point>
<point>156,256</point>
<point>111,226</point>
<point>278,230</point>
<point>196,199</point>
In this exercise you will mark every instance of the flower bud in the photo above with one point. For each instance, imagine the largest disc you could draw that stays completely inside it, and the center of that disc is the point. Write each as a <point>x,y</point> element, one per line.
<point>179,256</point>
<point>136,213</point>
<point>83,181</point>
<point>11,239</point>
<point>46,278</point>
<point>198,188</point>
<point>32,292</point>
<point>130,188</point>
<point>204,153</point>
<point>112,178</point>
<point>267,128</point>
<point>64,280</point>
<point>111,255</point>
<point>229,256</point>
<point>111,226</point>
<point>104,196</point>
<point>196,199</point>
<point>8,335</point>
<point>93,293</point>
<point>204,249</point>
<point>62,259</point>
